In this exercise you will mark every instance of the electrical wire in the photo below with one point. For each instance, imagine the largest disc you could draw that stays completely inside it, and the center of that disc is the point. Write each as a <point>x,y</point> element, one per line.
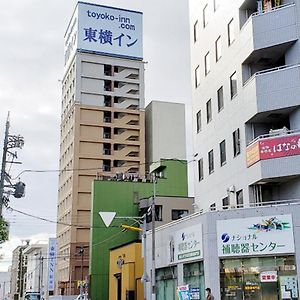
<point>183,161</point>
<point>57,222</point>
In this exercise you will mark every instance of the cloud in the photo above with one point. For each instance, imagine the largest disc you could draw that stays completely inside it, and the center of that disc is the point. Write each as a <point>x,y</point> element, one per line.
<point>6,249</point>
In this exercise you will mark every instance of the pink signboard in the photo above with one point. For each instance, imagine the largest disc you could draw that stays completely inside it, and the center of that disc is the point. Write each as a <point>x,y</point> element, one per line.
<point>274,147</point>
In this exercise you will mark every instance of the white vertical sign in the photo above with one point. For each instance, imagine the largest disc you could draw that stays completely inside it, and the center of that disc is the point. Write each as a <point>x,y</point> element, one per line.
<point>51,263</point>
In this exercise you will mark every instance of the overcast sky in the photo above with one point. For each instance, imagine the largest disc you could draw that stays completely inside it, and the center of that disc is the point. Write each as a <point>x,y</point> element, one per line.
<point>31,65</point>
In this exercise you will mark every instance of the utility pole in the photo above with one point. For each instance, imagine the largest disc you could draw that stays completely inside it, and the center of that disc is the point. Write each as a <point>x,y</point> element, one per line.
<point>4,163</point>
<point>18,189</point>
<point>42,274</point>
<point>81,252</point>
<point>153,278</point>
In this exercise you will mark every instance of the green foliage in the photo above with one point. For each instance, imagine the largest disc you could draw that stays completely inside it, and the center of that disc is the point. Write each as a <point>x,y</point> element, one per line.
<point>3,230</point>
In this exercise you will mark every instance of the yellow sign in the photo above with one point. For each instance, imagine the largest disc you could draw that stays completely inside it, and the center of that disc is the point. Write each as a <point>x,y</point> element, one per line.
<point>81,283</point>
<point>252,154</point>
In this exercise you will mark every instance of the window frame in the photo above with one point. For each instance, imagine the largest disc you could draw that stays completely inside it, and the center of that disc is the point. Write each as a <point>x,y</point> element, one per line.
<point>239,205</point>
<point>208,111</point>
<point>211,165</point>
<point>205,15</point>
<point>232,94</point>
<point>220,99</point>
<point>222,151</point>
<point>218,53</point>
<point>236,136</point>
<point>197,76</point>
<point>200,170</point>
<point>225,205</point>
<point>207,63</point>
<point>216,4</point>
<point>199,121</point>
<point>178,210</point>
<point>196,29</point>
<point>230,32</point>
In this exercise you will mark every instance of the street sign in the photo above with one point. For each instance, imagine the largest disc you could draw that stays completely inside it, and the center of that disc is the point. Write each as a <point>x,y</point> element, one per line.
<point>107,217</point>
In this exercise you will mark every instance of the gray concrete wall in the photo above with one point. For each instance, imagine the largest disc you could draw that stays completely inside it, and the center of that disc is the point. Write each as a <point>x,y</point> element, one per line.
<point>165,131</point>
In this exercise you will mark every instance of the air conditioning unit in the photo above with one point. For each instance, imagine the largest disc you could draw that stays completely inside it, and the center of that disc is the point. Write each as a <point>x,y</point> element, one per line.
<point>276,132</point>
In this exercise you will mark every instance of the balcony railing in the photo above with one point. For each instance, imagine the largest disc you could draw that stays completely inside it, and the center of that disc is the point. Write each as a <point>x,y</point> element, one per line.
<point>269,71</point>
<point>273,145</point>
<point>260,13</point>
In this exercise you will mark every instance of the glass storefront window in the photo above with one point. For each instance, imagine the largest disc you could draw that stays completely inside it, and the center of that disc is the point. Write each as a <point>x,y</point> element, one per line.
<point>193,275</point>
<point>166,283</point>
<point>259,278</point>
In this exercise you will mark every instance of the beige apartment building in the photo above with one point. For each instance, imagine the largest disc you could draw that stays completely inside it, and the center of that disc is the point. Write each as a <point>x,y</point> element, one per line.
<point>102,134</point>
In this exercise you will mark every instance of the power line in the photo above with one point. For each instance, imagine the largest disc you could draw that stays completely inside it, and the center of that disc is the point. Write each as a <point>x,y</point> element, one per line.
<point>57,222</point>
<point>183,161</point>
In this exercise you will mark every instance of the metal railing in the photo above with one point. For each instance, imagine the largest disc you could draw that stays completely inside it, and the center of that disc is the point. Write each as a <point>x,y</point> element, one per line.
<point>276,69</point>
<point>274,135</point>
<point>263,12</point>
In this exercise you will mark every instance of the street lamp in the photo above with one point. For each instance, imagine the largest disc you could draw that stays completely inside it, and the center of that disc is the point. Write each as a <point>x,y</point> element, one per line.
<point>108,217</point>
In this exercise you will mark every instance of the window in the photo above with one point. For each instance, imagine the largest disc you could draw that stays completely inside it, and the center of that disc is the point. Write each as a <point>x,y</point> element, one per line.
<point>213,206</point>
<point>223,153</point>
<point>179,213</point>
<point>239,198</point>
<point>233,85</point>
<point>220,99</point>
<point>158,212</point>
<point>196,30</point>
<point>197,76</point>
<point>231,35</point>
<point>236,142</point>
<point>225,203</point>
<point>200,169</point>
<point>199,125</point>
<point>218,47</point>
<point>211,161</point>
<point>205,15</point>
<point>216,4</point>
<point>208,111</point>
<point>207,63</point>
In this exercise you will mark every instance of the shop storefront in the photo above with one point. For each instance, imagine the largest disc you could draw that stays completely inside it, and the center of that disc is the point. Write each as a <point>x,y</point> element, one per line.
<point>193,276</point>
<point>188,250</point>
<point>259,278</point>
<point>257,259</point>
<point>166,283</point>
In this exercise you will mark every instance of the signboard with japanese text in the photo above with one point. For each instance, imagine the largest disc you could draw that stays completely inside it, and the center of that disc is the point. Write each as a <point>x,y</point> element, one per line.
<point>268,276</point>
<point>255,236</point>
<point>105,30</point>
<point>188,244</point>
<point>275,147</point>
<point>51,263</point>
<point>183,292</point>
<point>252,154</point>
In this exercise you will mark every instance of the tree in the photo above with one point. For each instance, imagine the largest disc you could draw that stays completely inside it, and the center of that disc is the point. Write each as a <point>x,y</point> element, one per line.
<point>3,230</point>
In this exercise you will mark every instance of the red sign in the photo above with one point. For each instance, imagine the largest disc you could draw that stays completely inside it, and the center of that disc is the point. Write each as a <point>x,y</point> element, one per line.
<point>274,147</point>
<point>268,276</point>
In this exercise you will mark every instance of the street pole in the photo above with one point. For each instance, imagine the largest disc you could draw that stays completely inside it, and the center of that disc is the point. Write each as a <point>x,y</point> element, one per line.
<point>3,166</point>
<point>39,286</point>
<point>42,274</point>
<point>153,279</point>
<point>145,255</point>
<point>81,283</point>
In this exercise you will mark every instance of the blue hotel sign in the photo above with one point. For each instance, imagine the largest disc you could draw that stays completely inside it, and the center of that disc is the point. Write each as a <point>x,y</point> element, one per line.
<point>104,30</point>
